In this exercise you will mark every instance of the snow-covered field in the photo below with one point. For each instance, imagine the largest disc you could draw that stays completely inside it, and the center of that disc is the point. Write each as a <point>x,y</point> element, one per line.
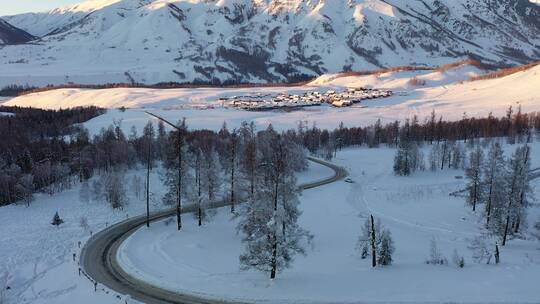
<point>445,92</point>
<point>37,258</point>
<point>416,209</point>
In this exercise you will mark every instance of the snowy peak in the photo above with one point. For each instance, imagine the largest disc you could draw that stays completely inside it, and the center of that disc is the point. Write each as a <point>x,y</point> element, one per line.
<point>12,35</point>
<point>231,41</point>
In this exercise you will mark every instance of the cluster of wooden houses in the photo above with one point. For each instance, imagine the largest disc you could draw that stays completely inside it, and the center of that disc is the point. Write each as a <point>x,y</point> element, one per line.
<point>348,97</point>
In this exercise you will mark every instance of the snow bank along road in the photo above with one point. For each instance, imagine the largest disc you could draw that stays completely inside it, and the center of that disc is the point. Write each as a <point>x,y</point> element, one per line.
<point>98,257</point>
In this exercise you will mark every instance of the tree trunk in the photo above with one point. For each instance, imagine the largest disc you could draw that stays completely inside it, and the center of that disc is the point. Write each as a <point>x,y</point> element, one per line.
<point>233,158</point>
<point>506,230</point>
<point>274,257</point>
<point>497,254</point>
<point>475,196</point>
<point>148,188</point>
<point>489,201</point>
<point>179,186</point>
<point>373,249</point>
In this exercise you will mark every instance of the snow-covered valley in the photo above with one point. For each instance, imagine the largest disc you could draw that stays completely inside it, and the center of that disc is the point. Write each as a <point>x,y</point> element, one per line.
<point>204,260</point>
<point>271,151</point>
<point>448,93</point>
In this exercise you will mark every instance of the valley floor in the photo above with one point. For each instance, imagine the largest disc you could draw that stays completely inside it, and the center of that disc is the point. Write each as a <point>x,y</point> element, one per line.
<point>416,209</point>
<point>38,265</point>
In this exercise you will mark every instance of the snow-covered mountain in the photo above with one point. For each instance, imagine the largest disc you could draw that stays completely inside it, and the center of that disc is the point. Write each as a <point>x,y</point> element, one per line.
<point>12,35</point>
<point>153,41</point>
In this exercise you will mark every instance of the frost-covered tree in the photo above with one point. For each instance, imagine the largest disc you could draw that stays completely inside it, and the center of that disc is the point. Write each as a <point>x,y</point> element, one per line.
<point>114,190</point>
<point>458,156</point>
<point>458,260</point>
<point>481,252</point>
<point>386,248</point>
<point>375,241</point>
<point>25,188</point>
<point>97,190</point>
<point>84,192</point>
<point>435,255</point>
<point>137,186</point>
<point>210,181</point>
<point>495,185</point>
<point>231,169</point>
<point>248,164</point>
<point>474,177</point>
<point>518,191</point>
<point>177,176</point>
<point>364,243</point>
<point>269,221</point>
<point>211,175</point>
<point>408,158</point>
<point>433,157</point>
<point>57,221</point>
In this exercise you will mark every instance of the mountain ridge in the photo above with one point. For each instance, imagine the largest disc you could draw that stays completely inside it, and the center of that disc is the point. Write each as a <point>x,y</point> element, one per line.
<point>258,41</point>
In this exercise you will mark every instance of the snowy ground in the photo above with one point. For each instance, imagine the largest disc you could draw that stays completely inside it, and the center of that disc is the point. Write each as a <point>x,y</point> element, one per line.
<point>37,258</point>
<point>445,92</point>
<point>416,209</point>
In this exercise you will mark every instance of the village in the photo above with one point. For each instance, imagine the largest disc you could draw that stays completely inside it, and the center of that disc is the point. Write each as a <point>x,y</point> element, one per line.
<point>345,98</point>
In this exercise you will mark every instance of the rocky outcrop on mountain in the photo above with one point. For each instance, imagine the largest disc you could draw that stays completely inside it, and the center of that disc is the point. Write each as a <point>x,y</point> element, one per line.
<point>232,41</point>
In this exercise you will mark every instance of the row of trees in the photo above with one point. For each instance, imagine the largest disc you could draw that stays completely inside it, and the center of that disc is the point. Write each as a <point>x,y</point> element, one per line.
<point>256,168</point>
<point>518,127</point>
<point>36,153</point>
<point>502,186</point>
<point>53,140</point>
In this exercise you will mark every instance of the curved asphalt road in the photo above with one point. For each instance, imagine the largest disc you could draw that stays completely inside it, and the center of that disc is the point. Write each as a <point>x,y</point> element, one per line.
<point>98,257</point>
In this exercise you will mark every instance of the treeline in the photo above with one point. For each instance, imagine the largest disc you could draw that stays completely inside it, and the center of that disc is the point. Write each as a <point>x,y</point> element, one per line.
<point>505,72</point>
<point>35,141</point>
<point>210,169</point>
<point>14,90</point>
<point>502,186</point>
<point>515,125</point>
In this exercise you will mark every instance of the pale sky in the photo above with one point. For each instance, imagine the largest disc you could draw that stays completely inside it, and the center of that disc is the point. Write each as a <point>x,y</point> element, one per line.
<point>11,7</point>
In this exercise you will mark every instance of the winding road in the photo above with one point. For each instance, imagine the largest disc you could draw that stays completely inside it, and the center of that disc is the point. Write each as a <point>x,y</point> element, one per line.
<point>98,256</point>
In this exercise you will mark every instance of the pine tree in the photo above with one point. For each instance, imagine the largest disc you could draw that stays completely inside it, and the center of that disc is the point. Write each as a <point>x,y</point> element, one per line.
<point>210,180</point>
<point>386,248</point>
<point>177,176</point>
<point>474,177</point>
<point>269,220</point>
<point>364,242</point>
<point>115,191</point>
<point>57,221</point>
<point>408,158</point>
<point>518,191</point>
<point>375,241</point>
<point>494,181</point>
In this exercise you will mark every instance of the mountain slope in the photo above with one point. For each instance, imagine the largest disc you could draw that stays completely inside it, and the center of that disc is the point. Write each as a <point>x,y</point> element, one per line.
<point>12,35</point>
<point>219,41</point>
